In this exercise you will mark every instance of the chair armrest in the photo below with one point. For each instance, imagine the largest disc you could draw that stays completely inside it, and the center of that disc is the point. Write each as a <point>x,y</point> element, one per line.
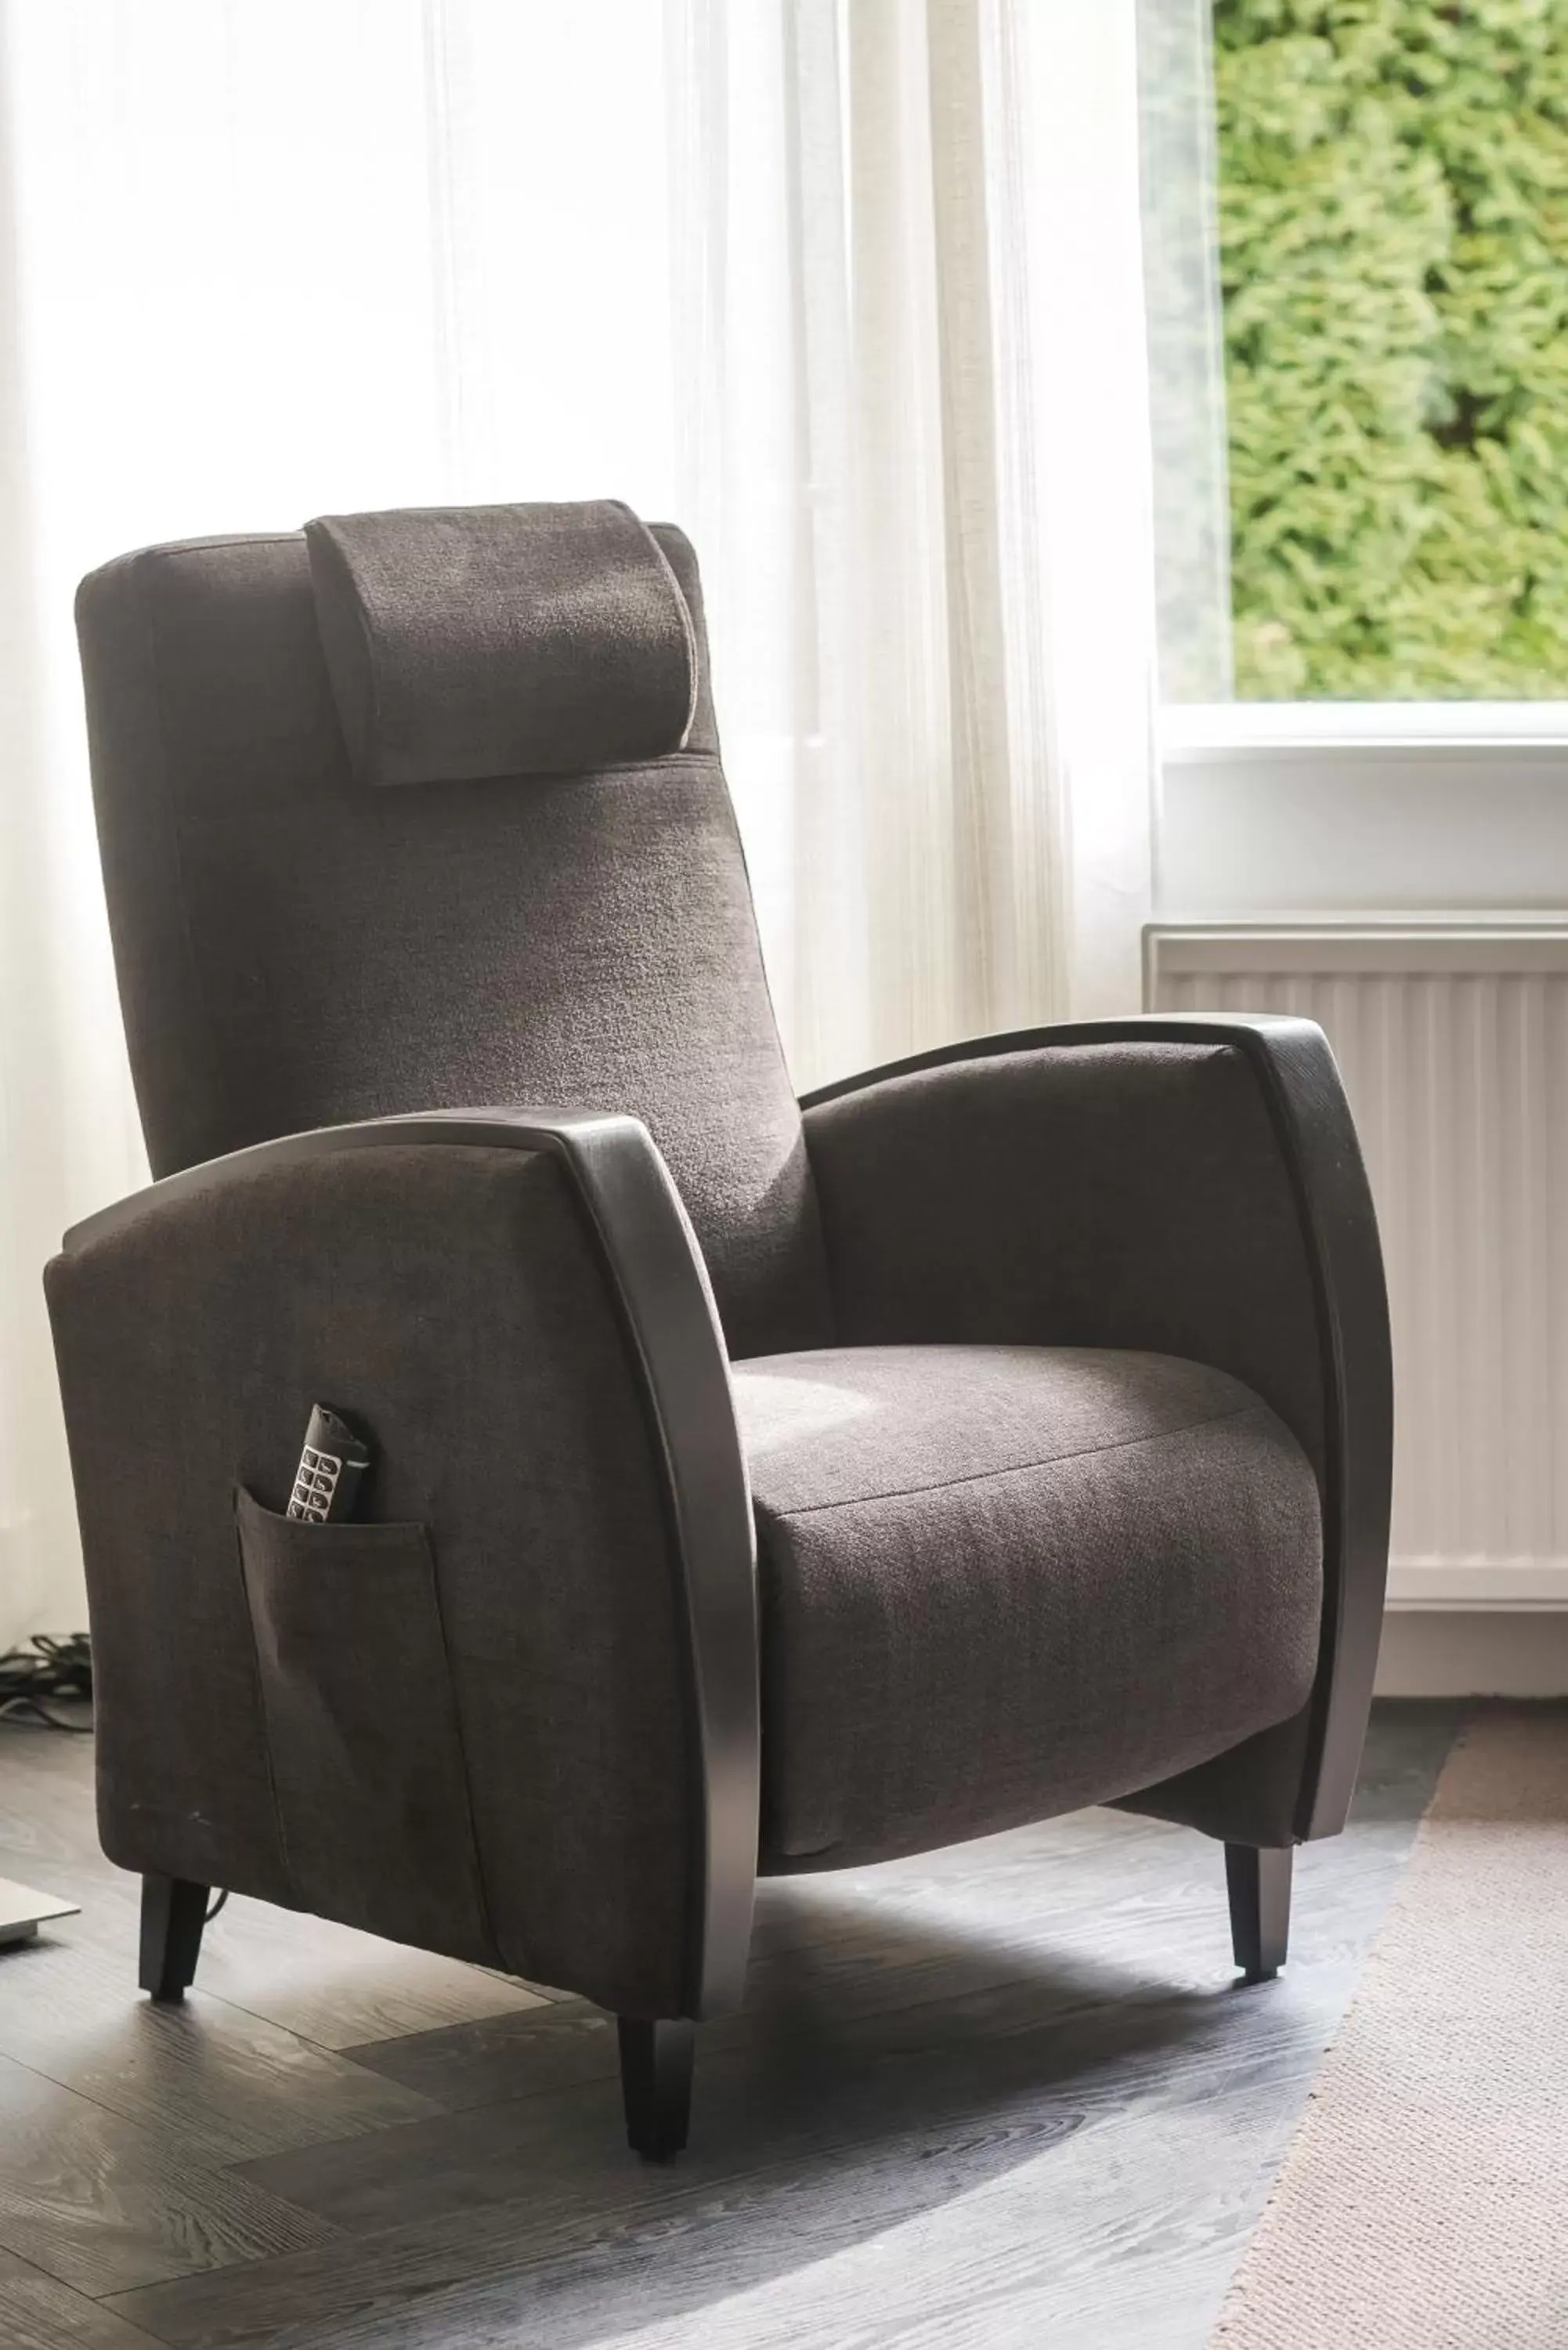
<point>1190,1185</point>
<point>514,1304</point>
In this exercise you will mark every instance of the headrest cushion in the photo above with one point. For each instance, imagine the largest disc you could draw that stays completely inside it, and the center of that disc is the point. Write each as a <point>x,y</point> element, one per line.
<point>472,642</point>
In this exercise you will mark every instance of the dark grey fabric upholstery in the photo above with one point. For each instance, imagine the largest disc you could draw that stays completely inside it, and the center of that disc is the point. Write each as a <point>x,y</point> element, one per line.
<point>364,1739</point>
<point>1089,1196</point>
<point>999,1582</point>
<point>1100,1195</point>
<point>453,1300</point>
<point>297,950</point>
<point>1029,1359</point>
<point>465,642</point>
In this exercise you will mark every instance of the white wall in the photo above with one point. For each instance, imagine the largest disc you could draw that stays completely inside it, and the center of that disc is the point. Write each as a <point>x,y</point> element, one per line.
<point>1478,1654</point>
<point>1244,837</point>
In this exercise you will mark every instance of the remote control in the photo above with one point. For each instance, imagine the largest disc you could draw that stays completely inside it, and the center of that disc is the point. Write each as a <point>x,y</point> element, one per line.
<point>331,1468</point>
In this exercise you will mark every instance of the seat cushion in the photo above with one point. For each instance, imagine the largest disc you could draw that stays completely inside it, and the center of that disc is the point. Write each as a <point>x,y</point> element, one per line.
<point>999,1582</point>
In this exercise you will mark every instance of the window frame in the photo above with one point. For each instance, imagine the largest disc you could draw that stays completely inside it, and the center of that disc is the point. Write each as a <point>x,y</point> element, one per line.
<point>1210,732</point>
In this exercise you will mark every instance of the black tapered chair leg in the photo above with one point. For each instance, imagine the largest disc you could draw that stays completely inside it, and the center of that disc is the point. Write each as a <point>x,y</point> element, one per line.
<point>655,2083</point>
<point>173,1912</point>
<point>1259,1883</point>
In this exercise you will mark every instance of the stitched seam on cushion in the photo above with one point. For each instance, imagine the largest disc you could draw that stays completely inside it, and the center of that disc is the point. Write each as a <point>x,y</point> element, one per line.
<point>688,626</point>
<point>1020,1468</point>
<point>660,760</point>
<point>481,1881</point>
<point>363,756</point>
<point>285,1855</point>
<point>222,1084</point>
<point>171,553</point>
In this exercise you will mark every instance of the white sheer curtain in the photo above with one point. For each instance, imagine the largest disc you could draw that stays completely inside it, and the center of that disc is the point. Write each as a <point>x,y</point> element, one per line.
<point>850,289</point>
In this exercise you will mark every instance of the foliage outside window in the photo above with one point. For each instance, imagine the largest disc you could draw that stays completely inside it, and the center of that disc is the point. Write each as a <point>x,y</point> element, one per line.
<point>1394,255</point>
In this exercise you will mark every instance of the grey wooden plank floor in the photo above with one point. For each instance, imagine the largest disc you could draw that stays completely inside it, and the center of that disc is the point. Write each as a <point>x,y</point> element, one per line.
<point>1003,2094</point>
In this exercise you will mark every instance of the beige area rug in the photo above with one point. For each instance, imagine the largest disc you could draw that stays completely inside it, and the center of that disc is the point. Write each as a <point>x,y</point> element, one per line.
<point>1423,2204</point>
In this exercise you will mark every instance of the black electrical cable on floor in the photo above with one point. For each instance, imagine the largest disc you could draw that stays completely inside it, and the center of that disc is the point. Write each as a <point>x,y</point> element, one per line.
<point>44,1673</point>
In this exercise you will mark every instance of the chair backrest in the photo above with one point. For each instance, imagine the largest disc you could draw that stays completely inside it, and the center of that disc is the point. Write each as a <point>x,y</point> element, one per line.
<point>425,810</point>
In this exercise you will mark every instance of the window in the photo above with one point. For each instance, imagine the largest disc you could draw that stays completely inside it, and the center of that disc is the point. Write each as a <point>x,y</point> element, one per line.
<point>1389,186</point>
<point>1393,206</point>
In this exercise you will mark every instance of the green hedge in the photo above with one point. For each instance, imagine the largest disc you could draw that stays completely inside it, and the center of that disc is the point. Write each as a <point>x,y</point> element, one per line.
<point>1394,222</point>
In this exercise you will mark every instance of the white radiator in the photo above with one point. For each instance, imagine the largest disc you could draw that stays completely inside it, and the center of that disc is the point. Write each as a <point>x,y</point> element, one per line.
<point>1454,1046</point>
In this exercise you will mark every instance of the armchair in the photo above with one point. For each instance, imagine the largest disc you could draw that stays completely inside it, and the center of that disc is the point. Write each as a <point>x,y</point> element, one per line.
<point>759,1487</point>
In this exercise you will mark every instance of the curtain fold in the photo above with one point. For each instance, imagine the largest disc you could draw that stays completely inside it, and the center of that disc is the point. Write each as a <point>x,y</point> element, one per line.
<point>68,1135</point>
<point>924,451</point>
<point>852,289</point>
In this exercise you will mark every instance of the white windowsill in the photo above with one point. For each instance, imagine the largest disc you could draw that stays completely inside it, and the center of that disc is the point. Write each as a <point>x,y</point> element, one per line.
<point>1214,731</point>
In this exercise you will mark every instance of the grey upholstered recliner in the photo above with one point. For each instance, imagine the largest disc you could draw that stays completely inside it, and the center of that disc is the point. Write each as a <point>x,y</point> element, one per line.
<point>754,1490</point>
